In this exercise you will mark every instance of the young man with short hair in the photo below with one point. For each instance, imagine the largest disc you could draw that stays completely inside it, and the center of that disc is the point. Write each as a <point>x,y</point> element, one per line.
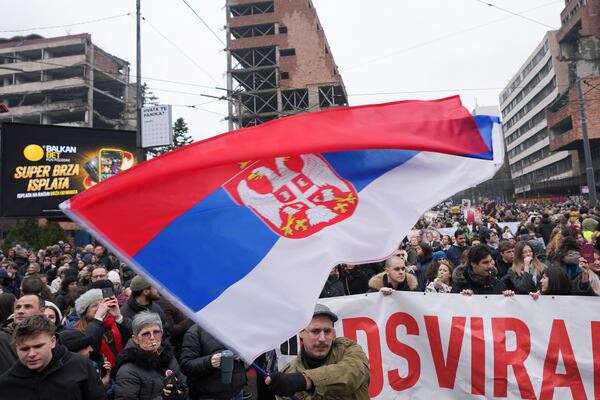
<point>47,368</point>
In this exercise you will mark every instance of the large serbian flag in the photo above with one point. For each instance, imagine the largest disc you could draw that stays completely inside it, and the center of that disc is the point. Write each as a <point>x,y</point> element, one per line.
<point>241,230</point>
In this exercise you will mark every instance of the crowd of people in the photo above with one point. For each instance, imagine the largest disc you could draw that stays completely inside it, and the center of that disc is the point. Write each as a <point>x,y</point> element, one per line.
<point>83,308</point>
<point>554,250</point>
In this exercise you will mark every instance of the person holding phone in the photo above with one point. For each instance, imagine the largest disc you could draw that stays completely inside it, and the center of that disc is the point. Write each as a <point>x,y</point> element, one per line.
<point>100,318</point>
<point>588,282</point>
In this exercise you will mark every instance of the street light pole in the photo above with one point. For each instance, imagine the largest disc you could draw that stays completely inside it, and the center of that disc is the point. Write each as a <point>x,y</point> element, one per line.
<point>138,108</point>
<point>589,169</point>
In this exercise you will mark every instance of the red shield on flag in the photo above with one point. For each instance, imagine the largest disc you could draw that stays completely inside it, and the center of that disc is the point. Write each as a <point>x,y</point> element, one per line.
<point>294,196</point>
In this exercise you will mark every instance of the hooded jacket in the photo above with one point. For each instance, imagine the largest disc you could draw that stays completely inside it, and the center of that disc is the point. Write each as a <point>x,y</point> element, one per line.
<point>381,280</point>
<point>464,278</point>
<point>140,374</point>
<point>68,376</point>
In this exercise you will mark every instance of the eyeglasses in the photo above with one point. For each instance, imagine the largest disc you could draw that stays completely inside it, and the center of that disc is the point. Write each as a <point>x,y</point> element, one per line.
<point>316,332</point>
<point>157,334</point>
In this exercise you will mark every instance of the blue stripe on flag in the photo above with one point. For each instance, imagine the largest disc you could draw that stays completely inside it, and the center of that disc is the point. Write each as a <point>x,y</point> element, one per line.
<point>485,123</point>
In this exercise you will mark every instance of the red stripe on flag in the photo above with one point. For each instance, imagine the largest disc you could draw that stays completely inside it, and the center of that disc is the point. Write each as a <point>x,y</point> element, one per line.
<point>132,207</point>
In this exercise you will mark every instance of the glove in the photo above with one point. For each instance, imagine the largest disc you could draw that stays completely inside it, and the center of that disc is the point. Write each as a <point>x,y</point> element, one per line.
<point>287,384</point>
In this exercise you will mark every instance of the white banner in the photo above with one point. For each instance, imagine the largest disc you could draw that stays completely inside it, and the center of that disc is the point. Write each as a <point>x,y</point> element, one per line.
<point>446,346</point>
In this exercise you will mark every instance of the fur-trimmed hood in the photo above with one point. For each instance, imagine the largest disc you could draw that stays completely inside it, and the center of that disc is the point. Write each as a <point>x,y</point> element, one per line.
<point>380,280</point>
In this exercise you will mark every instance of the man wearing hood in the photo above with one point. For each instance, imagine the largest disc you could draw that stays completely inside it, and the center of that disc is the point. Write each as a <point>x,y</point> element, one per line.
<point>479,276</point>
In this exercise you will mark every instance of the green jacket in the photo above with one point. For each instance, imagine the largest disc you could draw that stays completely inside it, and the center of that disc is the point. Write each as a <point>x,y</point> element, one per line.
<point>345,374</point>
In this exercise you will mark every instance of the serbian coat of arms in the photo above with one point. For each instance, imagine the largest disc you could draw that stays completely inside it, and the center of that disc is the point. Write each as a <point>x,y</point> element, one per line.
<point>295,196</point>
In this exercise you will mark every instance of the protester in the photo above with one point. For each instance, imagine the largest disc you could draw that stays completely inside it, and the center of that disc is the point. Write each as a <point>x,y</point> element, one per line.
<point>201,363</point>
<point>333,286</point>
<point>479,275</point>
<point>554,282</point>
<point>327,367</point>
<point>47,369</point>
<point>439,277</point>
<point>394,277</point>
<point>424,261</point>
<point>142,367</point>
<point>52,312</point>
<point>588,282</point>
<point>505,258</point>
<point>7,304</point>
<point>101,319</point>
<point>143,295</point>
<point>78,342</point>
<point>456,250</point>
<point>354,280</point>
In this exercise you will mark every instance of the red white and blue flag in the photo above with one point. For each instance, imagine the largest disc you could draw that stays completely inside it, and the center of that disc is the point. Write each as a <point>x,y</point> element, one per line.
<point>241,230</point>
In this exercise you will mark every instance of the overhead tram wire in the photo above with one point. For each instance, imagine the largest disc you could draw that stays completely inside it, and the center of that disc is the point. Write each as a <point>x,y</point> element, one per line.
<point>180,51</point>
<point>439,38</point>
<point>517,14</point>
<point>39,28</point>
<point>205,24</point>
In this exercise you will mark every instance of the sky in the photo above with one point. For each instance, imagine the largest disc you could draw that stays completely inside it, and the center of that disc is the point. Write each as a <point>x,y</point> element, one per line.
<point>386,50</point>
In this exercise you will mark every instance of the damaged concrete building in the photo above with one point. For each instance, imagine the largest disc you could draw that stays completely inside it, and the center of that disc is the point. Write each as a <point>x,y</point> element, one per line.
<point>279,61</point>
<point>64,80</point>
<point>579,41</point>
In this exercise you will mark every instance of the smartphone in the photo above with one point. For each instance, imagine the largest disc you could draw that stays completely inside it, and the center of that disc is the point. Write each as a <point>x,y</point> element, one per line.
<point>107,292</point>
<point>587,252</point>
<point>111,161</point>
<point>91,167</point>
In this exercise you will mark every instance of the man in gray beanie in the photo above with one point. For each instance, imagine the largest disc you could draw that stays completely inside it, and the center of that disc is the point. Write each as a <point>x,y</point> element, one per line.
<point>143,295</point>
<point>327,367</point>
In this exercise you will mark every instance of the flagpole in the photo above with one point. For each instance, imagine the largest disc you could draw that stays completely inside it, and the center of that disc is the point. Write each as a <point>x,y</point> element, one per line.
<point>264,374</point>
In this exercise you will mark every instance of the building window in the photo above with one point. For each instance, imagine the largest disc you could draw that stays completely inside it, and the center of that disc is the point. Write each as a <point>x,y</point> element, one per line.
<point>287,52</point>
<point>285,75</point>
<point>282,29</point>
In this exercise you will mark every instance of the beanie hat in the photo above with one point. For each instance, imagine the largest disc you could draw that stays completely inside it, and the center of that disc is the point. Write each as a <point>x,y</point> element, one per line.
<point>437,255</point>
<point>84,301</point>
<point>138,284</point>
<point>114,277</point>
<point>75,340</point>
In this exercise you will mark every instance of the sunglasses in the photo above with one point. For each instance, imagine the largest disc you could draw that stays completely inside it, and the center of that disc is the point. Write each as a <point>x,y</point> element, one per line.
<point>157,334</point>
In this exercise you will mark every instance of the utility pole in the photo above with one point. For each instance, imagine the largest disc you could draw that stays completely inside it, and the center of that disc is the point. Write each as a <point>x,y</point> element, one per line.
<point>229,76</point>
<point>589,169</point>
<point>138,109</point>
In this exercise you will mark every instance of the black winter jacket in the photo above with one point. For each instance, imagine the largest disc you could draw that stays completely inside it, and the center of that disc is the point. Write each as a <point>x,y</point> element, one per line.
<point>8,354</point>
<point>464,278</point>
<point>204,381</point>
<point>519,284</point>
<point>132,307</point>
<point>140,374</point>
<point>68,376</point>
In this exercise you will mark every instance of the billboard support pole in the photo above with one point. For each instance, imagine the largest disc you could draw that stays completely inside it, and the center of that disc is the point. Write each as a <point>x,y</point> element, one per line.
<point>138,97</point>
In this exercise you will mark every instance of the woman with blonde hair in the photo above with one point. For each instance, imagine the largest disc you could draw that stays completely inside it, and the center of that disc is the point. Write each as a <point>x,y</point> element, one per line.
<point>526,270</point>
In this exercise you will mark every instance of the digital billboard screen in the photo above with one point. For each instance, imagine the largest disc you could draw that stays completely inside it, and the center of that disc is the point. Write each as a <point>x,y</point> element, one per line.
<point>44,165</point>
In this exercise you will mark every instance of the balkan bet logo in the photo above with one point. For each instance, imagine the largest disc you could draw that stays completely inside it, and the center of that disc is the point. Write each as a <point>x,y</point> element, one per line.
<point>295,196</point>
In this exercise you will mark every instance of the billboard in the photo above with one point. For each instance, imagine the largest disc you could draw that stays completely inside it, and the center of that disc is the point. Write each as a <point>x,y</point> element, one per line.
<point>44,165</point>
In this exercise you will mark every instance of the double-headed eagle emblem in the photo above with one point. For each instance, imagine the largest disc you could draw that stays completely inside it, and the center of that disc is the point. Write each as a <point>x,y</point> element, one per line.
<point>294,196</point>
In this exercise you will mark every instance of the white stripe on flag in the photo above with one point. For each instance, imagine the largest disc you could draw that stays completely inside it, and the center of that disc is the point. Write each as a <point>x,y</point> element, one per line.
<point>275,300</point>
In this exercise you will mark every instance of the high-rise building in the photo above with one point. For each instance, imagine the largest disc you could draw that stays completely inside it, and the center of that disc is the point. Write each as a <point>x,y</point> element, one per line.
<point>537,170</point>
<point>579,41</point>
<point>64,80</point>
<point>279,61</point>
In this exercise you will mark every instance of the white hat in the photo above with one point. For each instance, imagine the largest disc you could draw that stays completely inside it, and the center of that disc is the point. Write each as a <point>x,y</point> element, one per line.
<point>84,301</point>
<point>114,277</point>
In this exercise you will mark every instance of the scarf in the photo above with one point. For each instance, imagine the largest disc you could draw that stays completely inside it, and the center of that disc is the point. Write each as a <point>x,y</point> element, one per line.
<point>115,335</point>
<point>112,335</point>
<point>312,362</point>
